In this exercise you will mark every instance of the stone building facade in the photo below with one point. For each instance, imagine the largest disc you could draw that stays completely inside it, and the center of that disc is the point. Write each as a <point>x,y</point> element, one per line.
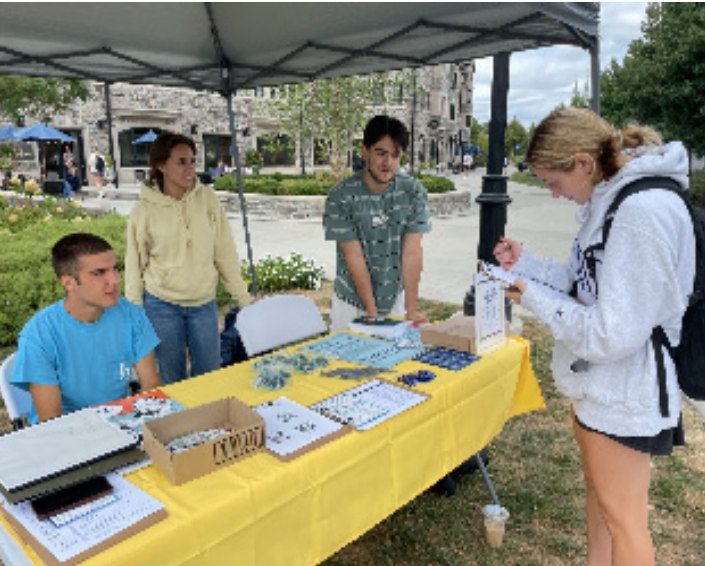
<point>439,120</point>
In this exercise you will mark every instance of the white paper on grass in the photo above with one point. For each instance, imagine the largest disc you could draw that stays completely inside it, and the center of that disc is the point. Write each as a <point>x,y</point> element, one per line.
<point>57,445</point>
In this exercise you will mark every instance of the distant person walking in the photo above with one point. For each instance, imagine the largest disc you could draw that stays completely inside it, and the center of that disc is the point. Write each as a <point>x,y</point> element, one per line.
<point>96,165</point>
<point>467,164</point>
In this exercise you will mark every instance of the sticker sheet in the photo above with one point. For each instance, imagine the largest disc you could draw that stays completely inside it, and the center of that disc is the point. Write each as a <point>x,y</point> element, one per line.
<point>290,427</point>
<point>363,350</point>
<point>369,404</point>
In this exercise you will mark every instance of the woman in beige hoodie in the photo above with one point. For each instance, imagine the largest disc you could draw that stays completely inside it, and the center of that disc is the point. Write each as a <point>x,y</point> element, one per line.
<point>179,244</point>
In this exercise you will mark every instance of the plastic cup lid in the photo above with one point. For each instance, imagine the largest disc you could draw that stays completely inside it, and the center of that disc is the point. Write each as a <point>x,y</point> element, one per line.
<point>495,511</point>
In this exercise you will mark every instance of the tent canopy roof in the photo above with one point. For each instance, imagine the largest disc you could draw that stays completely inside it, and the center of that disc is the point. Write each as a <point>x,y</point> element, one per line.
<point>230,46</point>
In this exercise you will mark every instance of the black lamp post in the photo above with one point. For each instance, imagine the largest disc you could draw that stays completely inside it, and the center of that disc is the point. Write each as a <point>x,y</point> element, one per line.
<point>494,199</point>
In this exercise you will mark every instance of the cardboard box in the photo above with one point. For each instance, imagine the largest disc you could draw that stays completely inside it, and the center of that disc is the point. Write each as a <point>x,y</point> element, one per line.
<point>457,333</point>
<point>246,438</point>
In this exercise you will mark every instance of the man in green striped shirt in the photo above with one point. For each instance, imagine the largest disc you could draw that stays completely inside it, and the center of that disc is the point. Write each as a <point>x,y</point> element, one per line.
<point>377,218</point>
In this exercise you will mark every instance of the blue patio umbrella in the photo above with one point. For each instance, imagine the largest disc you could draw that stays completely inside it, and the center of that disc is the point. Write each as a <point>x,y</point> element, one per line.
<point>9,132</point>
<point>150,136</point>
<point>42,132</point>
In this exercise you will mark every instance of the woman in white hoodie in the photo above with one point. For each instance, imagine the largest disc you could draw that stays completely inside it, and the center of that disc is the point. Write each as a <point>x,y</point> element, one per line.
<point>179,244</point>
<point>603,359</point>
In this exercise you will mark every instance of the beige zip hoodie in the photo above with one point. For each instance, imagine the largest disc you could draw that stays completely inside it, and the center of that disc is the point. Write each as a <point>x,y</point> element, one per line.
<point>178,249</point>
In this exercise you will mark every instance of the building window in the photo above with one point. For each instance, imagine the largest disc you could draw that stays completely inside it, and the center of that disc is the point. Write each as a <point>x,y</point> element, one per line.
<point>259,92</point>
<point>452,112</point>
<point>284,154</point>
<point>400,96</point>
<point>216,149</point>
<point>134,154</point>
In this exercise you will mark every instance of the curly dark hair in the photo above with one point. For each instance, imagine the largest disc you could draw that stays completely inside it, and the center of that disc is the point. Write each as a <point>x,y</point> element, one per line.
<point>160,153</point>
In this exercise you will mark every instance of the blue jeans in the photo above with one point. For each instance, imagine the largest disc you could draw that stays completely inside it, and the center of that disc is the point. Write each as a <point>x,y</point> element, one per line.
<point>180,329</point>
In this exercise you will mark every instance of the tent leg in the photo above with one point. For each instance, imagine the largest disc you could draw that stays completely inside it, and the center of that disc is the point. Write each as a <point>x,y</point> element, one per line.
<point>241,194</point>
<point>486,477</point>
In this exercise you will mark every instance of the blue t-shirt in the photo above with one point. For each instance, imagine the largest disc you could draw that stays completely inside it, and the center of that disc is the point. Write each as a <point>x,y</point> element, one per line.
<point>91,362</point>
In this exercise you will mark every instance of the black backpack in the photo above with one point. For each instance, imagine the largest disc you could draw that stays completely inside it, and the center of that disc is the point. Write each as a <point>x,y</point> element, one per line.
<point>99,164</point>
<point>689,355</point>
<point>231,349</point>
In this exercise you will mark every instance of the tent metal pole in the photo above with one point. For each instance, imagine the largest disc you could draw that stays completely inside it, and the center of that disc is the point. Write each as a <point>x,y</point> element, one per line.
<point>243,206</point>
<point>109,116</point>
<point>595,72</point>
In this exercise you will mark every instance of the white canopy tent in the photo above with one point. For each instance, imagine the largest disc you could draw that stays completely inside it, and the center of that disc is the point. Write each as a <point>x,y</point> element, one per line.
<point>228,46</point>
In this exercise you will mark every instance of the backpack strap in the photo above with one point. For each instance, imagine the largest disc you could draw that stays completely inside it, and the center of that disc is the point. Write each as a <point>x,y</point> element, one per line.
<point>658,335</point>
<point>659,340</point>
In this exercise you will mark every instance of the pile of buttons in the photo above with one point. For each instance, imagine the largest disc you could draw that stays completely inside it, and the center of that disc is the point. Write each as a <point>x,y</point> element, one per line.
<point>421,376</point>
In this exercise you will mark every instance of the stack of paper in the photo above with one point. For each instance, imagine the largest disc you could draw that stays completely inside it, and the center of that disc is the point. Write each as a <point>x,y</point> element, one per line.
<point>387,328</point>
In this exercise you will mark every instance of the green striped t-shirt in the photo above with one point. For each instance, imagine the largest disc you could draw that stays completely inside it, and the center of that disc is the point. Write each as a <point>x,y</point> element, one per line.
<point>378,221</point>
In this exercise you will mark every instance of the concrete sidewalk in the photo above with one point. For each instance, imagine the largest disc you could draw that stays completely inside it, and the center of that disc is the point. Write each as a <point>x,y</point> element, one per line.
<point>545,225</point>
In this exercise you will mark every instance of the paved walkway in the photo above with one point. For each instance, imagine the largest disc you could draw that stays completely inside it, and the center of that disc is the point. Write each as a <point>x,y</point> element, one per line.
<point>545,225</point>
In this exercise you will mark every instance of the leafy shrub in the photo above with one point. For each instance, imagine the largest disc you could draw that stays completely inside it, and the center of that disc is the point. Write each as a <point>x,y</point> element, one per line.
<point>27,280</point>
<point>284,273</point>
<point>310,185</point>
<point>325,177</point>
<point>16,218</point>
<point>277,184</point>
<point>254,159</point>
<point>303,188</point>
<point>435,184</point>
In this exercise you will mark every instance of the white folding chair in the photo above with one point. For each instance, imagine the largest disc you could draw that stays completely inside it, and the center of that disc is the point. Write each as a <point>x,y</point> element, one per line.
<point>18,402</point>
<point>278,321</point>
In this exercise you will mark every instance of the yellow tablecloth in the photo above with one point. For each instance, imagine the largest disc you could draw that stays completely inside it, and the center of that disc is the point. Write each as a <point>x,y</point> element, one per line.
<point>260,511</point>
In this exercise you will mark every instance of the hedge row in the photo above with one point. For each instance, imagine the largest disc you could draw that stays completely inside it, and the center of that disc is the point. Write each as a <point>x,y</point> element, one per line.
<point>27,280</point>
<point>309,185</point>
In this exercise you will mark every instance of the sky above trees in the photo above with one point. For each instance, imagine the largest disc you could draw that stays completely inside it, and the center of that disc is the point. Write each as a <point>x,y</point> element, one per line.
<point>542,79</point>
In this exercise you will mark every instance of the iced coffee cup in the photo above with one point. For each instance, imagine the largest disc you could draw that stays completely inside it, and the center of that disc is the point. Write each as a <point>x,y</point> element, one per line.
<point>495,521</point>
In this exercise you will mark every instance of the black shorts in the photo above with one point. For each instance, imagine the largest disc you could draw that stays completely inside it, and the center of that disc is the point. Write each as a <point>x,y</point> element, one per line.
<point>659,445</point>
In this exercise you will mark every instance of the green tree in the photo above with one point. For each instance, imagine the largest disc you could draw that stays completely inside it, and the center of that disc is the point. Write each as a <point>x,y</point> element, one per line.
<point>42,98</point>
<point>662,79</point>
<point>476,130</point>
<point>334,111</point>
<point>516,138</point>
<point>581,99</point>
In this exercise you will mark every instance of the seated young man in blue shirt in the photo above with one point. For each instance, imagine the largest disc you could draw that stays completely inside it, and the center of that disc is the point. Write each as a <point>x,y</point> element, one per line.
<point>81,350</point>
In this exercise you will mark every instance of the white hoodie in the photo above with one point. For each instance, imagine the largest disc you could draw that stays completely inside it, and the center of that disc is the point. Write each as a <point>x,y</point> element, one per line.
<point>644,278</point>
